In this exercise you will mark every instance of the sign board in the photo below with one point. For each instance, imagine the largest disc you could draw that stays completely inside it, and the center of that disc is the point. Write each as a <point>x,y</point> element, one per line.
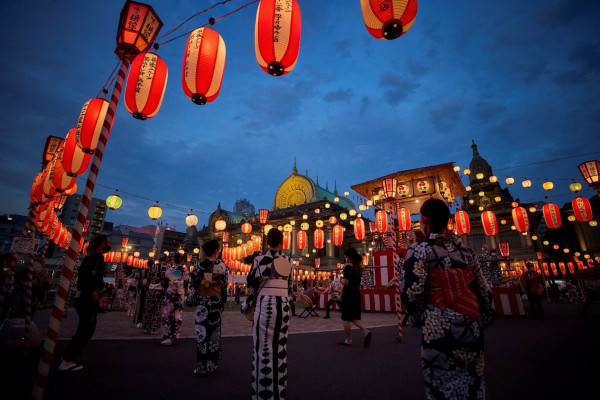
<point>24,245</point>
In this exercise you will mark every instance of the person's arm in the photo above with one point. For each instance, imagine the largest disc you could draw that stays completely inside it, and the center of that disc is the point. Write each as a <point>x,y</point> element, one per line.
<point>415,278</point>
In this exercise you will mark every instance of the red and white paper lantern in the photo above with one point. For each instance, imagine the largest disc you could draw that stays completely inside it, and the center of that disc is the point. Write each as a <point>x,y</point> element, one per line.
<point>552,215</point>
<point>301,240</point>
<point>388,19</point>
<point>89,124</point>
<point>381,221</point>
<point>287,240</point>
<point>490,226</point>
<point>146,85</point>
<point>338,235</point>
<point>318,238</point>
<point>403,219</point>
<point>520,219</point>
<point>463,226</point>
<point>582,209</point>
<point>359,229</point>
<point>74,161</point>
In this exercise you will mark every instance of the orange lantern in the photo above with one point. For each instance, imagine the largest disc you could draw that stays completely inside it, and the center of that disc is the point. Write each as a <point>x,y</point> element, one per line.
<point>563,269</point>
<point>490,226</point>
<point>130,259</point>
<point>388,20</point>
<point>138,27</point>
<point>403,219</point>
<point>90,123</point>
<point>381,221</point>
<point>520,219</point>
<point>338,235</point>
<point>545,268</point>
<point>301,240</point>
<point>277,36</point>
<point>571,267</point>
<point>59,179</point>
<point>554,270</point>
<point>146,85</point>
<point>317,264</point>
<point>552,215</point>
<point>203,65</point>
<point>463,225</point>
<point>359,229</point>
<point>582,209</point>
<point>225,237</point>
<point>332,220</point>
<point>36,193</point>
<point>263,216</point>
<point>287,240</point>
<point>117,257</point>
<point>74,161</point>
<point>246,227</point>
<point>318,238</point>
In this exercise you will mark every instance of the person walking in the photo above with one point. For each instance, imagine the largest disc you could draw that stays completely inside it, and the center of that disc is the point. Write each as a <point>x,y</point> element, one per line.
<point>334,291</point>
<point>152,317</point>
<point>90,283</point>
<point>532,283</point>
<point>175,282</point>
<point>351,298</point>
<point>447,296</point>
<point>208,294</point>
<point>270,288</point>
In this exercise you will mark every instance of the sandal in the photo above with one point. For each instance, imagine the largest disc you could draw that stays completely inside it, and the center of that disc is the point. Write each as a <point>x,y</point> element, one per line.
<point>345,344</point>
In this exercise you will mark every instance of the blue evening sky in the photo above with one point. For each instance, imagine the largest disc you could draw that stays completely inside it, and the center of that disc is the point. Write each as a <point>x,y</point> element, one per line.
<point>521,78</point>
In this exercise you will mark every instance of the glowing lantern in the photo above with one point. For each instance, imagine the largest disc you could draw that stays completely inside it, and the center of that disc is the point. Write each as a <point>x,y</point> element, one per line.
<point>130,259</point>
<point>571,218</point>
<point>510,180</point>
<point>89,124</point>
<point>571,267</point>
<point>467,171</point>
<point>468,188</point>
<point>389,188</point>
<point>593,223</point>
<point>113,201</point>
<point>332,220</point>
<point>146,85</point>
<point>526,183</point>
<point>287,240</point>
<point>220,225</point>
<point>520,219</point>
<point>582,209</point>
<point>488,219</point>
<point>191,220</point>
<point>319,223</point>
<point>263,216</point>
<point>317,263</point>
<point>504,248</point>
<point>463,226</point>
<point>514,204</point>
<point>450,225</point>
<point>155,212</point>
<point>74,161</point>
<point>381,221</point>
<point>553,267</point>
<point>545,268</point>
<point>493,179</point>
<point>277,36</point>
<point>267,228</point>
<point>343,216</point>
<point>552,215</point>
<point>246,227</point>
<point>359,229</point>
<point>575,187</point>
<point>318,238</point>
<point>390,19</point>
<point>338,235</point>
<point>58,178</point>
<point>203,65</point>
<point>590,171</point>
<point>224,238</point>
<point>352,212</point>
<point>548,185</point>
<point>138,27</point>
<point>304,226</point>
<point>403,219</point>
<point>456,168</point>
<point>497,199</point>
<point>423,186</point>
<point>479,175</point>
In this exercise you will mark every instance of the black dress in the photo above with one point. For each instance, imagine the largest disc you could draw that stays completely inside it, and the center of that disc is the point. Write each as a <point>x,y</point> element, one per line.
<point>351,301</point>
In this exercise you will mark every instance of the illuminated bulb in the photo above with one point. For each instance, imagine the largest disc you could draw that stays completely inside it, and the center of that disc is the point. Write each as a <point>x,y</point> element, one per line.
<point>534,237</point>
<point>510,180</point>
<point>526,183</point>
<point>467,171</point>
<point>479,176</point>
<point>545,243</point>
<point>481,194</point>
<point>456,168</point>
<point>493,179</point>
<point>471,201</point>
<point>572,218</point>
<point>497,199</point>
<point>468,188</point>
<point>346,193</point>
<point>593,223</point>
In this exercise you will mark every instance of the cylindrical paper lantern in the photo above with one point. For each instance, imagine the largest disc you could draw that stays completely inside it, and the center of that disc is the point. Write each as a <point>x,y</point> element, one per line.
<point>520,219</point>
<point>359,229</point>
<point>388,19</point>
<point>463,226</point>
<point>552,215</point>
<point>403,219</point>
<point>301,240</point>
<point>338,235</point>
<point>75,161</point>
<point>582,209</point>
<point>381,221</point>
<point>146,85</point>
<point>318,238</point>
<point>287,240</point>
<point>277,36</point>
<point>490,226</point>
<point>89,124</point>
<point>59,179</point>
<point>203,65</point>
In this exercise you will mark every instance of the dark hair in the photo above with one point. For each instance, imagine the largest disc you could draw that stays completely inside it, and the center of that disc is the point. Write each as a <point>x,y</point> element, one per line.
<point>353,254</point>
<point>274,237</point>
<point>529,265</point>
<point>96,241</point>
<point>438,213</point>
<point>178,257</point>
<point>209,248</point>
<point>162,257</point>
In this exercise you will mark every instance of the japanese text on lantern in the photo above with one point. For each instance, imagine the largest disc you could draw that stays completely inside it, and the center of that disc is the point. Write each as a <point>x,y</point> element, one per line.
<point>82,116</point>
<point>384,5</point>
<point>149,28</point>
<point>134,18</point>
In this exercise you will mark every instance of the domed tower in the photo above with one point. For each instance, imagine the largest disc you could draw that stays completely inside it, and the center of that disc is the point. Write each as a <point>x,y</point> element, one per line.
<point>484,193</point>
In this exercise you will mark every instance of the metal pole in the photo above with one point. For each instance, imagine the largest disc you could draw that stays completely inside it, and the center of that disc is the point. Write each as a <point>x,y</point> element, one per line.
<point>73,251</point>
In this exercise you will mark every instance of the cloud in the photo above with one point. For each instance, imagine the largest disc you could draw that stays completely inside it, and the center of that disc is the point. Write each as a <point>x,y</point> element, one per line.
<point>444,118</point>
<point>398,88</point>
<point>417,68</point>
<point>486,111</point>
<point>343,47</point>
<point>586,56</point>
<point>339,95</point>
<point>560,13</point>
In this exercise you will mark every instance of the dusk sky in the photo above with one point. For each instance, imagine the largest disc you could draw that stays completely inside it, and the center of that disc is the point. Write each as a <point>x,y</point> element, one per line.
<point>521,78</point>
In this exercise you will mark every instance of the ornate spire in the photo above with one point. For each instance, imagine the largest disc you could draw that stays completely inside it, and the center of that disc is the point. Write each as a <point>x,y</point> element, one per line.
<point>474,147</point>
<point>326,185</point>
<point>317,179</point>
<point>219,206</point>
<point>294,170</point>
<point>335,187</point>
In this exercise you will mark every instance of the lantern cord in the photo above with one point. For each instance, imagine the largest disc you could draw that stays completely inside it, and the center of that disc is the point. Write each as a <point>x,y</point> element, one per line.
<point>546,161</point>
<point>110,80</point>
<point>192,17</point>
<point>208,23</point>
<point>154,200</point>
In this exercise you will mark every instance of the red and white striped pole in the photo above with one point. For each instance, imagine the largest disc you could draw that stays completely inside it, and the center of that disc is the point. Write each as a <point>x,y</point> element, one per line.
<point>73,251</point>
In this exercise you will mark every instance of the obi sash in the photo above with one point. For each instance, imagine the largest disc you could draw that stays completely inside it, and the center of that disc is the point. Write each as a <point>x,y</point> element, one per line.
<point>450,289</point>
<point>209,288</point>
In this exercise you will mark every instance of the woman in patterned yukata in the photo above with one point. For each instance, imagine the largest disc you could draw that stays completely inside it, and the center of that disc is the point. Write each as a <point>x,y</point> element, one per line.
<point>208,293</point>
<point>444,292</point>
<point>175,282</point>
<point>152,318</point>
<point>273,271</point>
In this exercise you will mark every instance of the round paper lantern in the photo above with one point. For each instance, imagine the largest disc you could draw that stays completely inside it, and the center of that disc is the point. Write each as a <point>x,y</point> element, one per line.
<point>388,20</point>
<point>575,187</point>
<point>146,85</point>
<point>155,212</point>
<point>582,209</point>
<point>493,179</point>
<point>520,219</point>
<point>191,220</point>
<point>463,226</point>
<point>488,219</point>
<point>552,215</point>
<point>246,227</point>
<point>403,219</point>
<point>220,225</point>
<point>113,201</point>
<point>287,240</point>
<point>75,161</point>
<point>277,36</point>
<point>359,229</point>
<point>332,220</point>
<point>338,235</point>
<point>89,124</point>
<point>548,185</point>
<point>318,238</point>
<point>381,221</point>
<point>510,180</point>
<point>203,65</point>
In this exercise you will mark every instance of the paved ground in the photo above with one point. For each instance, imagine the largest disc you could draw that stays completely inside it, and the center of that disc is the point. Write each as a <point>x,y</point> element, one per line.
<point>525,359</point>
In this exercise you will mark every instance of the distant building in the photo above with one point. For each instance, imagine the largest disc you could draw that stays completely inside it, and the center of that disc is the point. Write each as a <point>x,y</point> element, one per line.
<point>137,239</point>
<point>244,207</point>
<point>11,226</point>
